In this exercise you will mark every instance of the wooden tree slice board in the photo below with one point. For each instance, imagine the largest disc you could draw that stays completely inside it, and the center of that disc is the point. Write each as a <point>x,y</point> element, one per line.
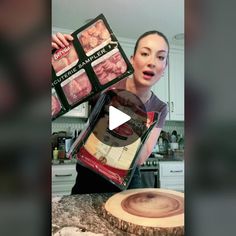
<point>147,211</point>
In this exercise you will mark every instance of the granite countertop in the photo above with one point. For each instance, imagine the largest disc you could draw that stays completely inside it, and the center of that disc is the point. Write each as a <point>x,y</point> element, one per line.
<point>64,162</point>
<point>174,156</point>
<point>82,211</point>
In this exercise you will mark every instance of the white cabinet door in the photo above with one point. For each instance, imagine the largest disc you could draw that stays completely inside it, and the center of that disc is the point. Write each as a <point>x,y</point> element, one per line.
<point>171,169</point>
<point>63,179</point>
<point>170,88</point>
<point>160,89</point>
<point>176,85</point>
<point>80,111</point>
<point>171,175</point>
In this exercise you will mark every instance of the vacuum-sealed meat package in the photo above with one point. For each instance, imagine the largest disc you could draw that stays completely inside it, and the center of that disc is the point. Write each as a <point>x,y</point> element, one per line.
<point>113,153</point>
<point>91,63</point>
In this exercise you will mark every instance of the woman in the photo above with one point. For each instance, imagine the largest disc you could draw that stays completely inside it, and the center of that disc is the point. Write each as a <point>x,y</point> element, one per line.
<point>149,62</point>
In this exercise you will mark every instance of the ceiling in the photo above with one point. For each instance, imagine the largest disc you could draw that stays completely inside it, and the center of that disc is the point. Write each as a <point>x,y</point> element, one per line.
<point>127,18</point>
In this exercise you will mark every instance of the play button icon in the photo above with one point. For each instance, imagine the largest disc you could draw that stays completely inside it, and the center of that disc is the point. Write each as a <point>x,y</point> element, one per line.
<point>117,118</point>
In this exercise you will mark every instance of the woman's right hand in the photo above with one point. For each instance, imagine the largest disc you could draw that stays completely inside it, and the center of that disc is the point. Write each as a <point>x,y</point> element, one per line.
<point>60,40</point>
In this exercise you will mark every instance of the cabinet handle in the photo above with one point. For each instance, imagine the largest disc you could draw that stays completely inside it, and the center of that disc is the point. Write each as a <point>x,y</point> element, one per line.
<point>176,171</point>
<point>172,106</point>
<point>66,175</point>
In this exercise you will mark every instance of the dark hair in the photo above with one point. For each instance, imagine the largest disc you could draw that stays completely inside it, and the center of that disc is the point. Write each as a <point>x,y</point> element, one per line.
<point>148,33</point>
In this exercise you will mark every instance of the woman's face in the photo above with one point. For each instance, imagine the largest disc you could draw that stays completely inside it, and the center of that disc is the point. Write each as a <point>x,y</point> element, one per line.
<point>150,60</point>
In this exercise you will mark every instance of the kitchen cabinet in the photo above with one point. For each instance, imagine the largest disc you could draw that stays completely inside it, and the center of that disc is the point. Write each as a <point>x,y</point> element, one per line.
<point>80,111</point>
<point>170,88</point>
<point>63,179</point>
<point>171,175</point>
<point>176,85</point>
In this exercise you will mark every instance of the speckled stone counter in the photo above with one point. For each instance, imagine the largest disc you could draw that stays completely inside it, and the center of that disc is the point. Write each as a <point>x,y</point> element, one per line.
<point>174,156</point>
<point>82,211</point>
<point>64,162</point>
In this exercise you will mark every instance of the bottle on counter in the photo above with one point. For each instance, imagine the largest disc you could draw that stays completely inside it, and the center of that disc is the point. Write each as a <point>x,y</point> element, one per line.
<point>68,143</point>
<point>61,148</point>
<point>174,136</point>
<point>156,148</point>
<point>55,154</point>
<point>181,142</point>
<point>160,144</point>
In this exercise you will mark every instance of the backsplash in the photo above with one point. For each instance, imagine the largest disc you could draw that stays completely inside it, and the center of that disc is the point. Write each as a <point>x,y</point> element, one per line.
<point>68,124</point>
<point>174,125</point>
<point>71,124</point>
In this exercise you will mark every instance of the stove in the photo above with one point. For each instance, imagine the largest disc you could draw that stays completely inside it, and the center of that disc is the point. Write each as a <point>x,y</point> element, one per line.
<point>151,163</point>
<point>150,172</point>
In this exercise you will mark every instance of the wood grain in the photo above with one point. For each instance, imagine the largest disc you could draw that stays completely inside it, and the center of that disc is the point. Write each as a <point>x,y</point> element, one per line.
<point>148,211</point>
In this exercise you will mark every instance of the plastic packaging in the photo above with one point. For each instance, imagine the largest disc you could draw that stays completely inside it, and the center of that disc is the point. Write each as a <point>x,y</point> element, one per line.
<point>91,63</point>
<point>112,161</point>
<point>181,142</point>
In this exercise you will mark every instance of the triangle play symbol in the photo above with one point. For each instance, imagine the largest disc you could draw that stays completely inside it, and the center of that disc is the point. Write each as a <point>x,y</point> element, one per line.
<point>116,118</point>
